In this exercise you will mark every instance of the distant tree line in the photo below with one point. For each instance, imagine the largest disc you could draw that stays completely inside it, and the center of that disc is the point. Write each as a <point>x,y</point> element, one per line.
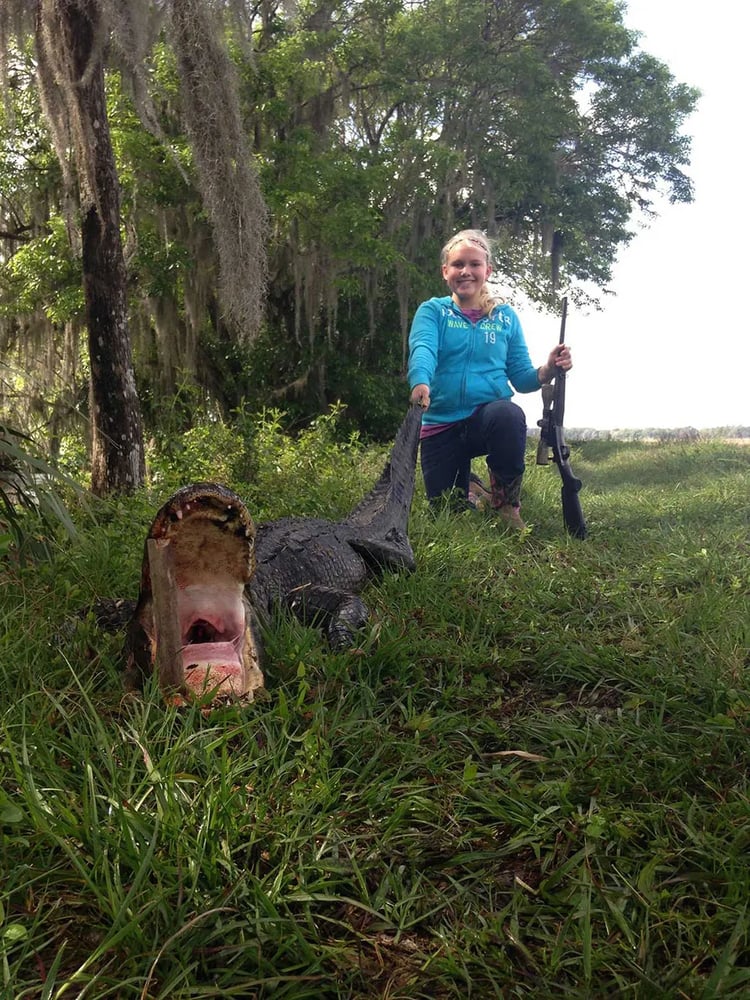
<point>372,128</point>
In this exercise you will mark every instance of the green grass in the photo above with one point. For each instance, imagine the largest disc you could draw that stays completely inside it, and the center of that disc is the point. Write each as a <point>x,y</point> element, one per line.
<point>529,780</point>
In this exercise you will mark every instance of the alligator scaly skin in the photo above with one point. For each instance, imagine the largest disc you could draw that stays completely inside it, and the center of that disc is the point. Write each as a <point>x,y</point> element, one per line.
<point>311,567</point>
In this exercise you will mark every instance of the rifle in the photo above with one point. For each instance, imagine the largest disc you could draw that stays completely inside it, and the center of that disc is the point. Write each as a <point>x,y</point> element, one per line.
<point>552,444</point>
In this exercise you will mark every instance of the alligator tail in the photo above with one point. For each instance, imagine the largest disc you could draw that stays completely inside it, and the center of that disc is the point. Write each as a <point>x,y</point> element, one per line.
<point>386,507</point>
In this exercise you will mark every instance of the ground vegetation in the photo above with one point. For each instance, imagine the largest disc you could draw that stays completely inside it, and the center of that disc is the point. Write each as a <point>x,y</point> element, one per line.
<point>528,779</point>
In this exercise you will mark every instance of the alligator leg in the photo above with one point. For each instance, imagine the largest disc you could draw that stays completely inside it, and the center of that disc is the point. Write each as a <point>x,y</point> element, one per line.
<point>338,613</point>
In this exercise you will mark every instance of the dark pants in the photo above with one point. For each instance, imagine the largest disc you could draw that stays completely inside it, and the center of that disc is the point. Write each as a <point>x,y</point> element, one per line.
<point>497,430</point>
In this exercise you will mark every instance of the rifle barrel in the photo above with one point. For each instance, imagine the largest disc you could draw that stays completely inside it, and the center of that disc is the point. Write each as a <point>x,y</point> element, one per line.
<point>552,437</point>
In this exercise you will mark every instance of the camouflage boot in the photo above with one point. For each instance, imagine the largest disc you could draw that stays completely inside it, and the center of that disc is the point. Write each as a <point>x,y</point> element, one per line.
<point>501,497</point>
<point>506,500</point>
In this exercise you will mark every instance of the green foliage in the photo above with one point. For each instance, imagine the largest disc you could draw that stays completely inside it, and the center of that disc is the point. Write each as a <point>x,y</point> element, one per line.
<point>44,274</point>
<point>32,499</point>
<point>524,782</point>
<point>160,265</point>
<point>150,175</point>
<point>313,473</point>
<point>257,455</point>
<point>210,450</point>
<point>375,403</point>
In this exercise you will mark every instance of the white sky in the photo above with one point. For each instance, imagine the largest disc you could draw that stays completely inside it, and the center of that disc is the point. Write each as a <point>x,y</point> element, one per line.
<point>671,348</point>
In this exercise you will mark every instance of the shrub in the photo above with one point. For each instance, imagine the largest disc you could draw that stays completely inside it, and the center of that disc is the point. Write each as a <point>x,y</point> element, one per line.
<point>209,450</point>
<point>31,504</point>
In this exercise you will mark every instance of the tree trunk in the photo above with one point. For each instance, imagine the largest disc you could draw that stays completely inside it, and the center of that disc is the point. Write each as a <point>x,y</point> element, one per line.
<point>117,453</point>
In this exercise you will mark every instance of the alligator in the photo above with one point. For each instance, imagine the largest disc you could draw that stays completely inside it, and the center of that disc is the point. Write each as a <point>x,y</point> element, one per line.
<point>221,578</point>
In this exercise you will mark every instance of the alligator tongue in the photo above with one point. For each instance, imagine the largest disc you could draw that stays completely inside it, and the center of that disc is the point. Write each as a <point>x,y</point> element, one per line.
<point>212,667</point>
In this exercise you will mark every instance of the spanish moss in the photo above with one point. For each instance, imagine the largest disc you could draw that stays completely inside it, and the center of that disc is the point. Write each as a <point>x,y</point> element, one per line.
<point>229,184</point>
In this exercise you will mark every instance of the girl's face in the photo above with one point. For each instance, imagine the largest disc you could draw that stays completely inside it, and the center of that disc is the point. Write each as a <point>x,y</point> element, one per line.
<point>465,272</point>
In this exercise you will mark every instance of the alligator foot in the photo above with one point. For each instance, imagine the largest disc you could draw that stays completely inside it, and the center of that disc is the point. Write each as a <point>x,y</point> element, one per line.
<point>339,613</point>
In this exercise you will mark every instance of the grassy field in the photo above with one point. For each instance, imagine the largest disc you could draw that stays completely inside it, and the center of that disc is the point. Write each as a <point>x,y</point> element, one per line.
<point>530,779</point>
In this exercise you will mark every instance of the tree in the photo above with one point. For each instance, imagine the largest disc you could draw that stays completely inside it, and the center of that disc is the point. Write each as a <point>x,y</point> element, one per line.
<point>379,126</point>
<point>391,124</point>
<point>71,75</point>
<point>71,41</point>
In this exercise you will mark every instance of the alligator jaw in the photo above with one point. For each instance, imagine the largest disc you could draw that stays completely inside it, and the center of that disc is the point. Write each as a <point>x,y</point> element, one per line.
<point>192,623</point>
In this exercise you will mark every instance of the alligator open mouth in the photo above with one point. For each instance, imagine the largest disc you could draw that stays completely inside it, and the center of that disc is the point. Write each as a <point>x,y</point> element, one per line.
<point>213,633</point>
<point>192,623</point>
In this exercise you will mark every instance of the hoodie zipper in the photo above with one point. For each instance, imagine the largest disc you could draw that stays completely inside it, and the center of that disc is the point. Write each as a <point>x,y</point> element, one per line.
<point>469,356</point>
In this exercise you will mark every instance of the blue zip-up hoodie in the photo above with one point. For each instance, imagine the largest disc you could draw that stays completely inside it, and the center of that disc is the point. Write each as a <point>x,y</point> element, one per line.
<point>466,364</point>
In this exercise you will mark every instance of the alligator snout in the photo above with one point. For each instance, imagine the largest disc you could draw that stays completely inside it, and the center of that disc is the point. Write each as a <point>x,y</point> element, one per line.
<point>193,624</point>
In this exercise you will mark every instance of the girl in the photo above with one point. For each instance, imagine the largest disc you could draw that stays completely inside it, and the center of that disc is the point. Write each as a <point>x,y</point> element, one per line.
<point>464,350</point>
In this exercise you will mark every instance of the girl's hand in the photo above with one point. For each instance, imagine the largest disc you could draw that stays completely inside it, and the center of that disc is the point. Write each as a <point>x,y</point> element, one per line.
<point>560,358</point>
<point>421,394</point>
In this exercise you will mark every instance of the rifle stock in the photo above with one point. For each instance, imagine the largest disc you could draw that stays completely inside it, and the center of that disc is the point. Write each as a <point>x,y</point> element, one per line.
<point>552,445</point>
<point>572,512</point>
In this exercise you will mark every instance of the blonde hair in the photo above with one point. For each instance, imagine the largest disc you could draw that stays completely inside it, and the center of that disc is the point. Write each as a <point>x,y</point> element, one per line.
<point>487,301</point>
